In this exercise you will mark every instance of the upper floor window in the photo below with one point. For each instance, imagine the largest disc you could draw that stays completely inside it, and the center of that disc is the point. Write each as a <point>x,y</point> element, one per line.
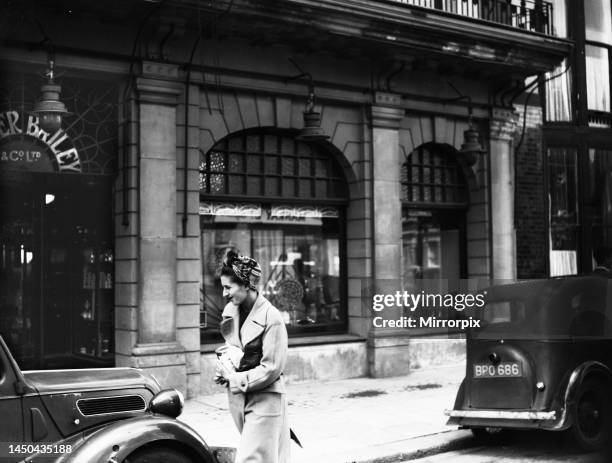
<point>598,34</point>
<point>598,21</point>
<point>559,87</point>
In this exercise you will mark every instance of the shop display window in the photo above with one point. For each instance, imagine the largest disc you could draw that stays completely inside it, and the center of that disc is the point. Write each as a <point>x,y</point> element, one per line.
<point>434,201</point>
<point>300,260</point>
<point>281,201</point>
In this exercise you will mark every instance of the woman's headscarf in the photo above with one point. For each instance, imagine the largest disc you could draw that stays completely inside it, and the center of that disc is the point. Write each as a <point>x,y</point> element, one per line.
<point>247,270</point>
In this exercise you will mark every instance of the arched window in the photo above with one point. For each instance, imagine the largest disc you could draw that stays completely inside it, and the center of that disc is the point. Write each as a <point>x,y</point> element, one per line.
<point>432,177</point>
<point>270,166</point>
<point>434,201</point>
<point>280,201</point>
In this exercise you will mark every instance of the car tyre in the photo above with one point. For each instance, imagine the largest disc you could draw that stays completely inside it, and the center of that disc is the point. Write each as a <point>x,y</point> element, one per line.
<point>591,415</point>
<point>158,455</point>
<point>489,436</point>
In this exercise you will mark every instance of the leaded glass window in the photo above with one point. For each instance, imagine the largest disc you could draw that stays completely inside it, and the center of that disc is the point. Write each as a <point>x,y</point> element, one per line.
<point>270,165</point>
<point>433,177</point>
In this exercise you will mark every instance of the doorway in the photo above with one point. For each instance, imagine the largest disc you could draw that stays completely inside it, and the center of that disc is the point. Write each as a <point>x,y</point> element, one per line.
<point>56,269</point>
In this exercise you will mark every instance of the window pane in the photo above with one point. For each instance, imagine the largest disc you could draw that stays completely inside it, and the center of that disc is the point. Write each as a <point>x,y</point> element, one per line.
<point>321,188</point>
<point>253,143</point>
<point>287,166</point>
<point>431,250</point>
<point>300,268</point>
<point>272,186</point>
<point>217,183</point>
<point>598,21</point>
<point>559,94</point>
<point>236,185</point>
<point>254,186</point>
<point>305,188</point>
<point>559,8</point>
<point>254,163</point>
<point>235,163</point>
<point>598,78</point>
<point>600,196</point>
<point>271,165</point>
<point>563,211</point>
<point>304,166</point>
<point>288,187</point>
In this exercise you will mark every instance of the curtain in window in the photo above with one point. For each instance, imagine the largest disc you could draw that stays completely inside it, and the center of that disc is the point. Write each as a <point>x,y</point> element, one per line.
<point>559,89</point>
<point>598,19</point>
<point>598,78</point>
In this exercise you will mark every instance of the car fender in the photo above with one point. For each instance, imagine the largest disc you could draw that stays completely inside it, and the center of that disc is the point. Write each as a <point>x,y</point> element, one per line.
<point>460,397</point>
<point>114,442</point>
<point>573,385</point>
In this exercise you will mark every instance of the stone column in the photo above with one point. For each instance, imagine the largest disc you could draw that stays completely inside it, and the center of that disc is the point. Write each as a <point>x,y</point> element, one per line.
<point>502,126</point>
<point>157,349</point>
<point>387,348</point>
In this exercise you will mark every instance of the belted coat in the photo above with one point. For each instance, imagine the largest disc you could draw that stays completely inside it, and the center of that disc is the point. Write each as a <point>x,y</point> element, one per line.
<point>257,399</point>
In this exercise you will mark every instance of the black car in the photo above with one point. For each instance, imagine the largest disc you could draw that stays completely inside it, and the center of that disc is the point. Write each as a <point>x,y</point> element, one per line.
<point>110,415</point>
<point>541,359</point>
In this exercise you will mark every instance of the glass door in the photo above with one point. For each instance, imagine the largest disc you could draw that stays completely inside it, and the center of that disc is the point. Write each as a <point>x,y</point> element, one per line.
<point>20,264</point>
<point>56,269</point>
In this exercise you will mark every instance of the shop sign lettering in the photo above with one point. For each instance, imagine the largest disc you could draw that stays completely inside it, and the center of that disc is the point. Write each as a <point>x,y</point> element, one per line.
<point>21,140</point>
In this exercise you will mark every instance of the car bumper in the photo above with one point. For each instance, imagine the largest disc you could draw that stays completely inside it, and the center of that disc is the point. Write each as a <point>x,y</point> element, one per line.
<point>517,419</point>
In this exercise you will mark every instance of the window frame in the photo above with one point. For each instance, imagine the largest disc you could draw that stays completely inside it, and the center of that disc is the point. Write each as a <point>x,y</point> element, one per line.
<point>458,209</point>
<point>340,201</point>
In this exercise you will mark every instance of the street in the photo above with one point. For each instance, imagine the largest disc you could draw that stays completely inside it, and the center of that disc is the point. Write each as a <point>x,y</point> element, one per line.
<point>520,447</point>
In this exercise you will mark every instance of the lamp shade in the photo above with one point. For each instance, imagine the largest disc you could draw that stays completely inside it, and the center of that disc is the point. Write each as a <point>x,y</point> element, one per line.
<point>471,147</point>
<point>49,108</point>
<point>312,130</point>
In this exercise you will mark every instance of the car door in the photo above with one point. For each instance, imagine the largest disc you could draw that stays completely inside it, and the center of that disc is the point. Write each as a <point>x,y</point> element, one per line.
<point>10,402</point>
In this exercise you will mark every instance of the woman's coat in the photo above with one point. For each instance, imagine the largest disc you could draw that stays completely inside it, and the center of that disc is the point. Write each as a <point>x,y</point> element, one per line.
<point>257,396</point>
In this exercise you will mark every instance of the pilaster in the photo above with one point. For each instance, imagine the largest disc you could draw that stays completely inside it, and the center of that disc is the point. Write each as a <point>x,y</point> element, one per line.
<point>387,348</point>
<point>157,349</point>
<point>501,136</point>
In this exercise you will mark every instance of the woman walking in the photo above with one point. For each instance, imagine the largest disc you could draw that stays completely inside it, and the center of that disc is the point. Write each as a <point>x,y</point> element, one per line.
<point>252,362</point>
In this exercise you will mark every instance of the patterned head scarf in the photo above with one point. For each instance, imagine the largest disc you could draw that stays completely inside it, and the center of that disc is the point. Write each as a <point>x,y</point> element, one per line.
<point>247,270</point>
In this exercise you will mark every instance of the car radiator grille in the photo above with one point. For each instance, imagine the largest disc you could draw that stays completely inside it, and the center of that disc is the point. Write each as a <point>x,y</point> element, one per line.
<point>117,404</point>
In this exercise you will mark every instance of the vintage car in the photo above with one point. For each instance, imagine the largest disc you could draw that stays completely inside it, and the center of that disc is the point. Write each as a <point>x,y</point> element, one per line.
<point>541,359</point>
<point>110,415</point>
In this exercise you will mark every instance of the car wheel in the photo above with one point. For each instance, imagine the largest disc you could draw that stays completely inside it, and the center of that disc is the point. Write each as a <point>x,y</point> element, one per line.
<point>590,415</point>
<point>158,455</point>
<point>489,436</point>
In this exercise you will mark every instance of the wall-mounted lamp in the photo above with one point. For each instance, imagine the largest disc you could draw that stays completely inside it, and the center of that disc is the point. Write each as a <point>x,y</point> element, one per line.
<point>49,108</point>
<point>312,130</point>
<point>471,146</point>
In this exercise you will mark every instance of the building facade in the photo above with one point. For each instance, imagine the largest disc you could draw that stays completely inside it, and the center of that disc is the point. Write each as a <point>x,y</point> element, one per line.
<point>184,135</point>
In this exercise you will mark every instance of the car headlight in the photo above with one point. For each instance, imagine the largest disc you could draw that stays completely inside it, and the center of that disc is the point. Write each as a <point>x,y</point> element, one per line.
<point>169,402</point>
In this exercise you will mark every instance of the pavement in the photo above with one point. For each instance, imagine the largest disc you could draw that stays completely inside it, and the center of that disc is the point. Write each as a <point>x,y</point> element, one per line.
<point>362,420</point>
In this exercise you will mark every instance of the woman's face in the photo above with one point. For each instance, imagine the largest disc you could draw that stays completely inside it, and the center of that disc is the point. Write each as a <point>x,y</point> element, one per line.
<point>232,291</point>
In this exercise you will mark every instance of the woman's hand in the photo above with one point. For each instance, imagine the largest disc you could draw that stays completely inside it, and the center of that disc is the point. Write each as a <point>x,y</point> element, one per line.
<point>223,370</point>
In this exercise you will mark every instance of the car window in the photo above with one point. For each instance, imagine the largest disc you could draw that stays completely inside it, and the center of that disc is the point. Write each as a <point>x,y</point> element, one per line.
<point>548,309</point>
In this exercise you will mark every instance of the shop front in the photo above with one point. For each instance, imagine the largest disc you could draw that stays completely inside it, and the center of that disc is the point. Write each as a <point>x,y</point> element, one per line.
<point>56,237</point>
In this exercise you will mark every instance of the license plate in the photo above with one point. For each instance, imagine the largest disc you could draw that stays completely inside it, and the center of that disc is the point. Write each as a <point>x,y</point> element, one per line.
<point>502,370</point>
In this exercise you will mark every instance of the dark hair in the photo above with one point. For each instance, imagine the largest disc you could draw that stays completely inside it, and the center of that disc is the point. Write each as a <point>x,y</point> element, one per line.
<point>225,267</point>
<point>242,270</point>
